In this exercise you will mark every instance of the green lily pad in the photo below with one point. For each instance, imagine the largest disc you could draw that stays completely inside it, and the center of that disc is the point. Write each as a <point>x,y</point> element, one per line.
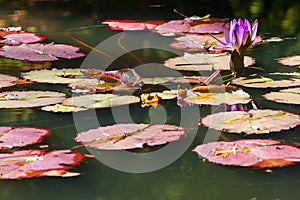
<point>289,96</point>
<point>210,98</point>
<point>62,76</point>
<point>290,61</point>
<point>203,61</point>
<point>27,99</point>
<point>272,80</point>
<point>92,101</point>
<point>7,80</point>
<point>258,121</point>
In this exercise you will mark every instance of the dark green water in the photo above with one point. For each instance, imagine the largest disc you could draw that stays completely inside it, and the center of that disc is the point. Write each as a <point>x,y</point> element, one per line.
<point>186,178</point>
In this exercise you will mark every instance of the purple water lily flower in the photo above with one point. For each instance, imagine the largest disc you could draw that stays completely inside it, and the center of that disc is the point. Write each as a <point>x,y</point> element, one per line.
<point>240,35</point>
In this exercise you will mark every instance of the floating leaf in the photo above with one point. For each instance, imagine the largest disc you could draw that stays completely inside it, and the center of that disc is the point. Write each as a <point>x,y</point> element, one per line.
<point>62,108</point>
<point>258,121</point>
<point>93,101</point>
<point>259,153</point>
<point>290,61</point>
<point>37,163</point>
<point>272,80</point>
<point>19,137</point>
<point>7,80</point>
<point>27,99</point>
<point>193,42</point>
<point>63,76</point>
<point>131,25</point>
<point>211,98</point>
<point>289,96</point>
<point>173,27</point>
<point>203,61</point>
<point>40,52</point>
<point>23,37</point>
<point>130,136</point>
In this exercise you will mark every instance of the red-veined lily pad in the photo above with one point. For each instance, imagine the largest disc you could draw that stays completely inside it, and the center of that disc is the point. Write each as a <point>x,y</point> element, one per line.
<point>27,99</point>
<point>7,80</point>
<point>203,61</point>
<point>40,52</point>
<point>130,136</point>
<point>258,121</point>
<point>19,137</point>
<point>215,98</point>
<point>37,163</point>
<point>258,153</point>
<point>188,25</point>
<point>23,37</point>
<point>272,80</point>
<point>92,101</point>
<point>289,96</point>
<point>62,76</point>
<point>131,25</point>
<point>290,61</point>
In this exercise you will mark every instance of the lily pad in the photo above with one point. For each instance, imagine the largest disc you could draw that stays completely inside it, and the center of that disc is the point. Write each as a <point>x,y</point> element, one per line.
<point>131,25</point>
<point>258,153</point>
<point>152,99</point>
<point>27,99</point>
<point>258,121</point>
<point>37,163</point>
<point>62,76</point>
<point>62,108</point>
<point>92,101</point>
<point>20,137</point>
<point>290,61</point>
<point>130,136</point>
<point>212,98</point>
<point>40,52</point>
<point>272,80</point>
<point>203,61</point>
<point>194,42</point>
<point>289,96</point>
<point>22,37</point>
<point>188,25</point>
<point>7,80</point>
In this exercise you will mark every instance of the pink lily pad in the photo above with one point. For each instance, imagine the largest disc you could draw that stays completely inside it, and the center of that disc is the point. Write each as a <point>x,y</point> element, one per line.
<point>288,96</point>
<point>40,52</point>
<point>131,25</point>
<point>130,136</point>
<point>23,37</point>
<point>173,27</point>
<point>7,80</point>
<point>258,121</point>
<point>37,163</point>
<point>22,136</point>
<point>290,61</point>
<point>259,153</point>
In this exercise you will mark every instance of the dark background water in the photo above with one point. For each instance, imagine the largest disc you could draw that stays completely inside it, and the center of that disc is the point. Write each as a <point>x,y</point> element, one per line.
<point>186,178</point>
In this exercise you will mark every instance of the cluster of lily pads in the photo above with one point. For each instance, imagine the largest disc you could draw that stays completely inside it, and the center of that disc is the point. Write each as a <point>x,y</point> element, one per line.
<point>92,89</point>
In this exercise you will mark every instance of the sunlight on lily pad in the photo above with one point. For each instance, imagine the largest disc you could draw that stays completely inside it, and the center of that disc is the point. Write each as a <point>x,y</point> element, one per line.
<point>210,98</point>
<point>27,99</point>
<point>203,61</point>
<point>272,80</point>
<point>288,96</point>
<point>258,121</point>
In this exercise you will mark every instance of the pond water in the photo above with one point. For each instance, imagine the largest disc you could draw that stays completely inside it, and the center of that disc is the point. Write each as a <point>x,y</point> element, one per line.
<point>186,178</point>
